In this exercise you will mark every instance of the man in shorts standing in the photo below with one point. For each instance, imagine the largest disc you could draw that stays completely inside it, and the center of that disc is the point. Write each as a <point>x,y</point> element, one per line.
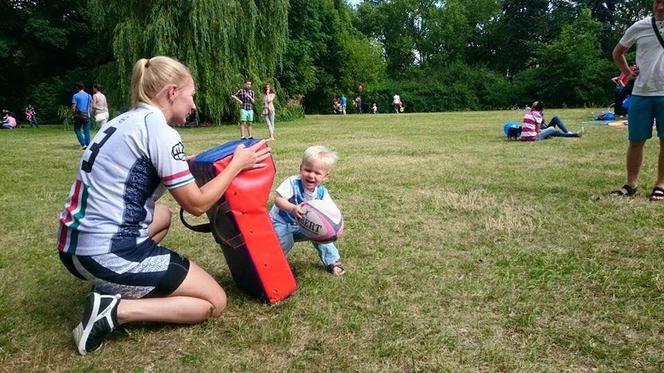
<point>647,102</point>
<point>245,97</point>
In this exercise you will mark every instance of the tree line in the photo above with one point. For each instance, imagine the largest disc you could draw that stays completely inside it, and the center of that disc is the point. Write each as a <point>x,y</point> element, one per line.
<point>437,55</point>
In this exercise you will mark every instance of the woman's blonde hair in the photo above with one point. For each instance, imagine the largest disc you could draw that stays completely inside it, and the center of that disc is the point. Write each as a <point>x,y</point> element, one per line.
<point>326,157</point>
<point>151,74</point>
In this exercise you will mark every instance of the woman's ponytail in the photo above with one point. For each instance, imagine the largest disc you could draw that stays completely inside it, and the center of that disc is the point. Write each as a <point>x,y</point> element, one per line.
<point>149,76</point>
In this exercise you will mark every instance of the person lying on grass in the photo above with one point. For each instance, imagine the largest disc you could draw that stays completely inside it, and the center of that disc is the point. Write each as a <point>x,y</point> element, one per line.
<point>535,128</point>
<point>111,226</point>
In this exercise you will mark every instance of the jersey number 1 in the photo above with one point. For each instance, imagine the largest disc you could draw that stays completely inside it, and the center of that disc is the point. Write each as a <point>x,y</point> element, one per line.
<point>94,149</point>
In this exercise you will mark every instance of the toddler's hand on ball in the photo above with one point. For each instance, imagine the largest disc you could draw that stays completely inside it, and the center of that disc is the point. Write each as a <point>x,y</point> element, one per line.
<point>297,212</point>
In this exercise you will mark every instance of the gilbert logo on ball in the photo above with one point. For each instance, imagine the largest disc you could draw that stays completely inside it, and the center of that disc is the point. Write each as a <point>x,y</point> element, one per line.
<point>310,226</point>
<point>321,221</point>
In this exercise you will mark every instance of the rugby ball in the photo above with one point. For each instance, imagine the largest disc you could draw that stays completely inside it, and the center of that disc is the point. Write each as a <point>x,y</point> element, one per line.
<point>321,221</point>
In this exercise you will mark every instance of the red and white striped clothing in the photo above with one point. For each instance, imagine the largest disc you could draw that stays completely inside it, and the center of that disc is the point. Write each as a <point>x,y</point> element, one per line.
<point>530,127</point>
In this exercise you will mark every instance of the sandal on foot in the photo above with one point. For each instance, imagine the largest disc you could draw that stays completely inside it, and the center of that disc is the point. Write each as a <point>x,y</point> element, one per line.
<point>337,268</point>
<point>626,191</point>
<point>657,194</point>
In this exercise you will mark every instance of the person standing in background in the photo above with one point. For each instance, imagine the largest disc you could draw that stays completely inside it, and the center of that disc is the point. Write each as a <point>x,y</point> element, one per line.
<point>268,108</point>
<point>31,116</point>
<point>358,104</point>
<point>344,103</point>
<point>99,105</point>
<point>647,100</point>
<point>81,104</point>
<point>396,102</point>
<point>245,97</point>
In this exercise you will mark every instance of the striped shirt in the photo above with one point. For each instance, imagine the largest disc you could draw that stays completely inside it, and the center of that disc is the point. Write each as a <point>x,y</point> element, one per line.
<point>530,127</point>
<point>132,160</point>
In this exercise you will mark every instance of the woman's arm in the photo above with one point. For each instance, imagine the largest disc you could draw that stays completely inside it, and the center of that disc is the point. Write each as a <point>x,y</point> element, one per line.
<point>197,201</point>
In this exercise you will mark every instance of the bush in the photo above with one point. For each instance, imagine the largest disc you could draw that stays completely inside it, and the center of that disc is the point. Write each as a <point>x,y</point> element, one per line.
<point>291,110</point>
<point>65,115</point>
<point>458,87</point>
<point>47,97</point>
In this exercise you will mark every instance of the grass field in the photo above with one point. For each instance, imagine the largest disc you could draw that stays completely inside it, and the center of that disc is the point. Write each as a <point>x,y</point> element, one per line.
<point>465,252</point>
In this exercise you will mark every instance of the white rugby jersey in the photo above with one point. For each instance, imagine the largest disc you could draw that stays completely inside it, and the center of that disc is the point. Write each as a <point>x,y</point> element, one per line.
<point>127,167</point>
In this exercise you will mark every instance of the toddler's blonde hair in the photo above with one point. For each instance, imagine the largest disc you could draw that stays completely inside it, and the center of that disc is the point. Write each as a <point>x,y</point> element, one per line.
<point>326,157</point>
<point>151,74</point>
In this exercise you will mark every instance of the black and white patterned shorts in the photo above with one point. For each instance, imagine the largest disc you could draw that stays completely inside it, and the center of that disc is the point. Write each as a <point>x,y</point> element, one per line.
<point>143,271</point>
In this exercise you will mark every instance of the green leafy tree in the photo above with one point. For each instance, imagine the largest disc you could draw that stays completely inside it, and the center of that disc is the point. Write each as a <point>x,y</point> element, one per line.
<point>40,41</point>
<point>363,63</point>
<point>395,25</point>
<point>569,69</point>
<point>326,55</point>
<point>222,42</point>
<point>520,27</point>
<point>443,32</point>
<point>615,16</point>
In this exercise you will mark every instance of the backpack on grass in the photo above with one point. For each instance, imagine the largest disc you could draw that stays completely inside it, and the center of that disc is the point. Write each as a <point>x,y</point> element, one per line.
<point>512,130</point>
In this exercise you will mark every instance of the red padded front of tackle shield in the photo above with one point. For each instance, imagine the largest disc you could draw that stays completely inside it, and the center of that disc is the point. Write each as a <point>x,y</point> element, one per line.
<point>247,198</point>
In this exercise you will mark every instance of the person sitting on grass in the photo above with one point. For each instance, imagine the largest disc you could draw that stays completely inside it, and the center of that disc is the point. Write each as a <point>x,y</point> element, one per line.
<point>8,121</point>
<point>623,88</point>
<point>111,226</point>
<point>535,128</point>
<point>314,170</point>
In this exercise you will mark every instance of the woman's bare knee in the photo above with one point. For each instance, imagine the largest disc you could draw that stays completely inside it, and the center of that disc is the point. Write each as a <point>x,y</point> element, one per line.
<point>218,303</point>
<point>202,285</point>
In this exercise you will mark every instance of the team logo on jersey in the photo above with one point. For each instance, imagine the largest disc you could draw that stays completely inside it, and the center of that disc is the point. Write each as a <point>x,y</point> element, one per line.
<point>178,152</point>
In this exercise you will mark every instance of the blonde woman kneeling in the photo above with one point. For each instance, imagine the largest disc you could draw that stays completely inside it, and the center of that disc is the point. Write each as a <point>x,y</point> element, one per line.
<point>111,226</point>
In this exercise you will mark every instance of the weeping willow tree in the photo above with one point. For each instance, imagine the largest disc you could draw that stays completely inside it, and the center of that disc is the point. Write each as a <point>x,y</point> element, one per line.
<point>222,42</point>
